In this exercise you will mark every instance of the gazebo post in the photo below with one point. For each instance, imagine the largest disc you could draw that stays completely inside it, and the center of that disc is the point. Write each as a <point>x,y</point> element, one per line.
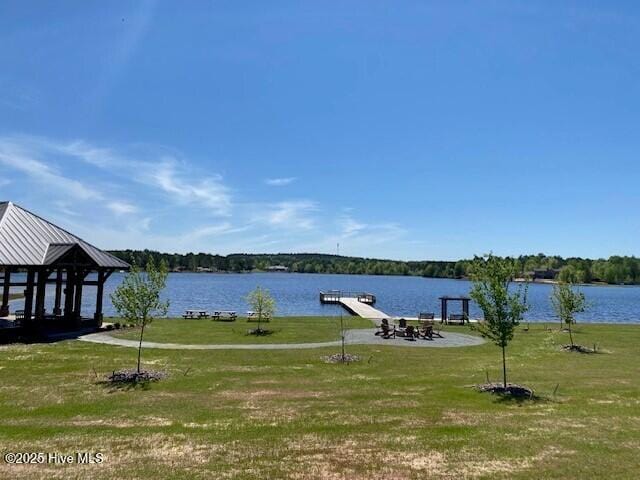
<point>69,294</point>
<point>97,316</point>
<point>465,308</point>
<point>41,291</point>
<point>4,308</point>
<point>443,310</point>
<point>77,304</point>
<point>56,307</point>
<point>28,295</point>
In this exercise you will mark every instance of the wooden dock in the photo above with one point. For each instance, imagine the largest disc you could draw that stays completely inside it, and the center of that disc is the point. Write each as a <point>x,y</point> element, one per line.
<point>360,304</point>
<point>361,309</point>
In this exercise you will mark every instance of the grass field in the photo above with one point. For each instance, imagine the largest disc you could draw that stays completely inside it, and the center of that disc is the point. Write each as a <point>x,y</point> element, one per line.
<point>284,330</point>
<point>401,413</point>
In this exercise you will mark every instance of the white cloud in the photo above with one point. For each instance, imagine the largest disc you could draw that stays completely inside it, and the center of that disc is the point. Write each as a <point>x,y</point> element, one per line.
<point>156,198</point>
<point>291,215</point>
<point>146,165</point>
<point>66,208</point>
<point>208,192</point>
<point>359,239</point>
<point>23,159</point>
<point>100,157</point>
<point>122,208</point>
<point>350,227</point>
<point>224,228</point>
<point>279,182</point>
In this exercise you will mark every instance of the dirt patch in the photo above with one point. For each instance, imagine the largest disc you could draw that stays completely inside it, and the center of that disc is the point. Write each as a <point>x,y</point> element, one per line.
<point>455,417</point>
<point>312,457</point>
<point>123,458</point>
<point>268,394</point>
<point>120,422</point>
<point>272,415</point>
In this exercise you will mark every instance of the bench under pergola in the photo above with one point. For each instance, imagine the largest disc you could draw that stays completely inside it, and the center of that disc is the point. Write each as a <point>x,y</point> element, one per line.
<point>50,255</point>
<point>444,307</point>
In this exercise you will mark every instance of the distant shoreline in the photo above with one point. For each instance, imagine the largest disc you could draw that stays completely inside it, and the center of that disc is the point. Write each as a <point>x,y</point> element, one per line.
<point>613,271</point>
<point>556,282</point>
<point>516,280</point>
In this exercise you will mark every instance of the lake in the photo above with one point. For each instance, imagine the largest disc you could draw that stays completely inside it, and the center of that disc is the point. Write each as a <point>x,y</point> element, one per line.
<point>297,294</point>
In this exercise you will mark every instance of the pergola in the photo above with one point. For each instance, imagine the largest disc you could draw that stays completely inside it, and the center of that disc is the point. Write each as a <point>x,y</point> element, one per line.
<point>444,303</point>
<point>49,255</point>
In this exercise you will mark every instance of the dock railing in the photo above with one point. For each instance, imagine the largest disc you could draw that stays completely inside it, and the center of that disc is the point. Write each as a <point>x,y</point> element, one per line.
<point>334,296</point>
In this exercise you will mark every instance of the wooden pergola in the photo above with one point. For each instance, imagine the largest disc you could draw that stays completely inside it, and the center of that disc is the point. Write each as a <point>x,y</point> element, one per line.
<point>50,255</point>
<point>444,306</point>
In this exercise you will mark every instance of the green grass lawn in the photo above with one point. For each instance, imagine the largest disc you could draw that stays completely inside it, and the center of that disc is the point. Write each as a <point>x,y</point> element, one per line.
<point>284,330</point>
<point>14,296</point>
<point>400,413</point>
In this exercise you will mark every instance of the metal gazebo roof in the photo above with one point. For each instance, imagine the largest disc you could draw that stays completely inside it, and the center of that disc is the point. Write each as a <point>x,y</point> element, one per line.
<point>29,240</point>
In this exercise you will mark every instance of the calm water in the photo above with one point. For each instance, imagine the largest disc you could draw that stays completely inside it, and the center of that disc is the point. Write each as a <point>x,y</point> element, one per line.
<point>297,294</point>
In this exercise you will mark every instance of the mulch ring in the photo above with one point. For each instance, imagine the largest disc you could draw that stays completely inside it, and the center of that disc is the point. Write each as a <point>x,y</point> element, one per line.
<point>260,332</point>
<point>133,376</point>
<point>511,390</point>
<point>338,358</point>
<point>579,349</point>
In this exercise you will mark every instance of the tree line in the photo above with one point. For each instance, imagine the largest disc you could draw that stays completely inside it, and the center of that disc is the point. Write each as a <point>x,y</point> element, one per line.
<point>614,270</point>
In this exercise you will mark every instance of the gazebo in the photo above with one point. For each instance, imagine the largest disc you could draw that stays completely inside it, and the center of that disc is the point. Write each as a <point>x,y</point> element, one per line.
<point>50,255</point>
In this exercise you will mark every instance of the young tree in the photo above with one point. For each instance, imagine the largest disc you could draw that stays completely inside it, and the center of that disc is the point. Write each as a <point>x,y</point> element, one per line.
<point>503,309</point>
<point>263,304</point>
<point>343,336</point>
<point>567,302</point>
<point>137,298</point>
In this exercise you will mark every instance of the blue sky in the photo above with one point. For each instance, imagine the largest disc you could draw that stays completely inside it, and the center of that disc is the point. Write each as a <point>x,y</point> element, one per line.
<point>409,130</point>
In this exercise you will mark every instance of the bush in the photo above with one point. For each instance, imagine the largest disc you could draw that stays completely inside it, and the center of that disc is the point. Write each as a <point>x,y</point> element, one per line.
<point>117,326</point>
<point>109,327</point>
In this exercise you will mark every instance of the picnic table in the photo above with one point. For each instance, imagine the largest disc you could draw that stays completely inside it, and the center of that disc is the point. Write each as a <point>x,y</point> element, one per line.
<point>195,314</point>
<point>252,316</point>
<point>225,315</point>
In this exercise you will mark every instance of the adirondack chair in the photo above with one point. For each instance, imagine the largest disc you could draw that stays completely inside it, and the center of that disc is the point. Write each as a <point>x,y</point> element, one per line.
<point>426,331</point>
<point>388,332</point>
<point>384,326</point>
<point>410,333</point>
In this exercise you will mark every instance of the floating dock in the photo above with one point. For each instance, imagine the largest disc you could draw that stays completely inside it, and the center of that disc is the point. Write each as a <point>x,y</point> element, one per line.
<point>360,304</point>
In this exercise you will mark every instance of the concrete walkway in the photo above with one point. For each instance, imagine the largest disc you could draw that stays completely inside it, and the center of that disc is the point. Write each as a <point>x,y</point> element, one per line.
<point>353,337</point>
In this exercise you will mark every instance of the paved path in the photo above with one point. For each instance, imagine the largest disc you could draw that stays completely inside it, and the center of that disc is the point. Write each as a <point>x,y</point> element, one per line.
<point>354,337</point>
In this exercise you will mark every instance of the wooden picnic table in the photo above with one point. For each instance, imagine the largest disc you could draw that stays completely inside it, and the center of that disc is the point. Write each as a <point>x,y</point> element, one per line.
<point>195,314</point>
<point>252,316</point>
<point>229,315</point>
